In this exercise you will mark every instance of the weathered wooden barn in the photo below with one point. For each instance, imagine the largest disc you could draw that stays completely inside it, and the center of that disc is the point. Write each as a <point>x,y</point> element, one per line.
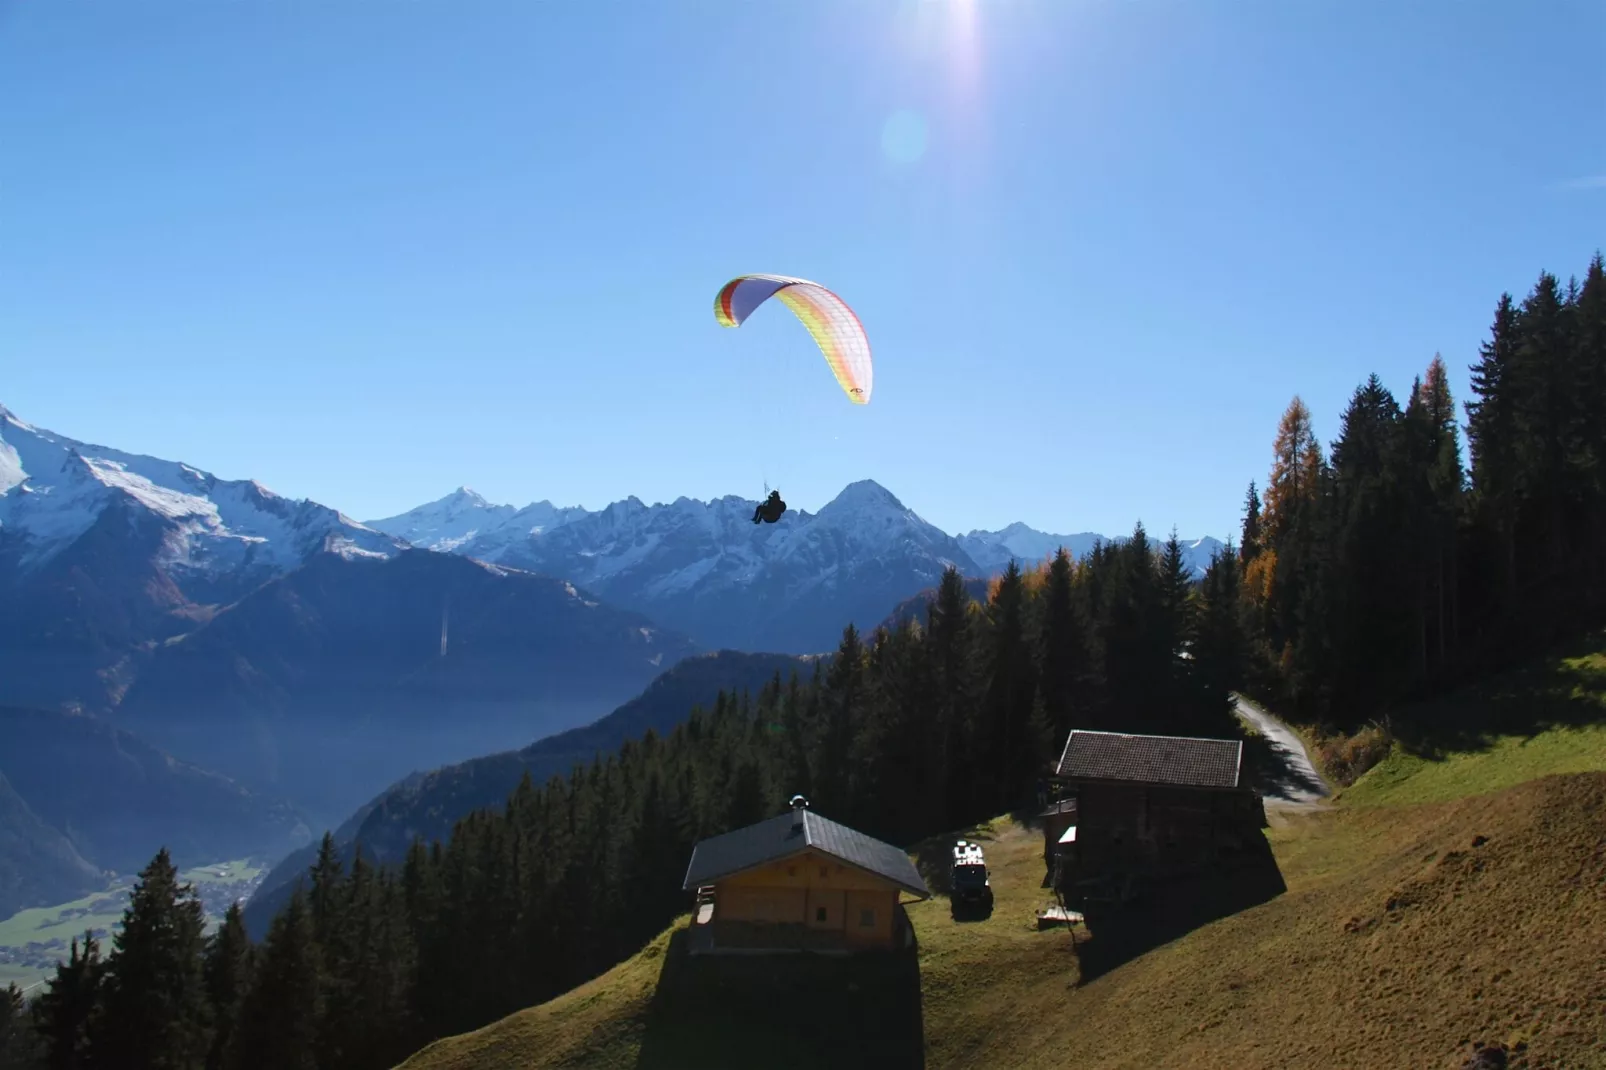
<point>800,882</point>
<point>1133,807</point>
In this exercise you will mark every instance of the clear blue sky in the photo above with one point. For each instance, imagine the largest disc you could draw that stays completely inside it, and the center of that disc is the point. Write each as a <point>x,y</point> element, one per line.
<point>368,250</point>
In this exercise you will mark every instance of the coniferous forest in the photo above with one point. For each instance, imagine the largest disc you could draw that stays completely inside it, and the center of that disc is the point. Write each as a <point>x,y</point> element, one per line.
<point>1369,574</point>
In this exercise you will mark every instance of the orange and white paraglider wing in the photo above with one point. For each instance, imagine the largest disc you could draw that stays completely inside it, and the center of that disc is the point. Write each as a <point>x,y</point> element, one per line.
<point>828,319</point>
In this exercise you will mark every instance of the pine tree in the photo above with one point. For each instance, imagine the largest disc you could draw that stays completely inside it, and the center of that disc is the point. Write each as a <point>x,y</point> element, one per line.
<point>1174,628</point>
<point>66,1013</point>
<point>845,690</point>
<point>1433,493</point>
<point>1065,659</point>
<point>896,754</point>
<point>227,973</point>
<point>154,1011</point>
<point>20,1048</point>
<point>1249,548</point>
<point>1008,757</point>
<point>1590,479</point>
<point>1547,420</point>
<point>1138,639</point>
<point>1372,550</point>
<point>1491,440</point>
<point>1220,647</point>
<point>323,901</point>
<point>951,641</point>
<point>278,1024</point>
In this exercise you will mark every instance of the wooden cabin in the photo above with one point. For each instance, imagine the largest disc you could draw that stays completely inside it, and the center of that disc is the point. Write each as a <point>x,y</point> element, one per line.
<point>1134,806</point>
<point>800,882</point>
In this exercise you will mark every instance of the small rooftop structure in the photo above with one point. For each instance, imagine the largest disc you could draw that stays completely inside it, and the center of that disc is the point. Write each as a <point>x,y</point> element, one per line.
<point>1171,760</point>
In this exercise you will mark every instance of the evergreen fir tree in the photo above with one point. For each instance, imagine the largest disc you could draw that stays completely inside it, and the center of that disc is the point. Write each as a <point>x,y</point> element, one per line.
<point>66,1013</point>
<point>951,643</point>
<point>1062,651</point>
<point>1174,627</point>
<point>278,1024</point>
<point>1491,440</point>
<point>20,1047</point>
<point>1008,755</point>
<point>845,690</point>
<point>154,1009</point>
<point>1249,547</point>
<point>227,974</point>
<point>323,900</point>
<point>1220,648</point>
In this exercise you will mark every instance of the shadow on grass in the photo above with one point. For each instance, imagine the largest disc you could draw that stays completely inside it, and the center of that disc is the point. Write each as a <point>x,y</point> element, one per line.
<point>780,1011</point>
<point>1171,908</point>
<point>978,911</point>
<point>1567,690</point>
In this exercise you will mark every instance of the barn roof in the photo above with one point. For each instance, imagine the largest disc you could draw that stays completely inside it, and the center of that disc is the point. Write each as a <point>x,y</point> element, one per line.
<point>787,834</point>
<point>1178,760</point>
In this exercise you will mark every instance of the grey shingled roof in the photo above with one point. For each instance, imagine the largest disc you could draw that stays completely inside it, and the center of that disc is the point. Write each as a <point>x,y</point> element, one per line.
<point>1180,760</point>
<point>775,838</point>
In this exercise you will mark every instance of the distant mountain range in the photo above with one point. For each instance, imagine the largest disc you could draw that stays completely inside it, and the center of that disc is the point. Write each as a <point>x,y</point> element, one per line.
<point>705,569</point>
<point>280,642</point>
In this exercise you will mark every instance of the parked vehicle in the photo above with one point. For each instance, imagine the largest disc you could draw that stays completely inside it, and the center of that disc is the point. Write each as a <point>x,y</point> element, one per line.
<point>971,884</point>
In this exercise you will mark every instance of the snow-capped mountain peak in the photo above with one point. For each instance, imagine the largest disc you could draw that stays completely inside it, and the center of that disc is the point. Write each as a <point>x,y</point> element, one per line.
<point>705,568</point>
<point>53,489</point>
<point>465,516</point>
<point>863,497</point>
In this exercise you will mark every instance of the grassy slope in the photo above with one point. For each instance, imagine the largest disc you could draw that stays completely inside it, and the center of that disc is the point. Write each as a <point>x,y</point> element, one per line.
<point>1396,943</point>
<point>1547,719</point>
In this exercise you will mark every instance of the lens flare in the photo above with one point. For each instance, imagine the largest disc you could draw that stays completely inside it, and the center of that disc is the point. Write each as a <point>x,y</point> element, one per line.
<point>903,137</point>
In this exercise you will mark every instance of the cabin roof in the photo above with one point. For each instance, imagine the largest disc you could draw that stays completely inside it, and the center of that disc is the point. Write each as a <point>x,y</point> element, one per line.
<point>790,833</point>
<point>1179,760</point>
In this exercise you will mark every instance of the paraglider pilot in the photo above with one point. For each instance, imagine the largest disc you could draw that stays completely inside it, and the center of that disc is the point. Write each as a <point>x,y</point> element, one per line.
<point>770,510</point>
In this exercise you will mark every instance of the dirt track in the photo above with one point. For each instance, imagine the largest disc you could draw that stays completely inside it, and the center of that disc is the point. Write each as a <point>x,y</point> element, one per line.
<point>1298,785</point>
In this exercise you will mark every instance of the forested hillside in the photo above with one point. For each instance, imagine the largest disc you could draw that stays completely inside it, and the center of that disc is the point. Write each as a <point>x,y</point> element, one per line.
<point>1379,570</point>
<point>1369,573</point>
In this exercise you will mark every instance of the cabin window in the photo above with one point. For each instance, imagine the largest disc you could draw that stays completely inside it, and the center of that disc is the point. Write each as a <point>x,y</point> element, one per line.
<point>819,913</point>
<point>825,871</point>
<point>791,871</point>
<point>867,918</point>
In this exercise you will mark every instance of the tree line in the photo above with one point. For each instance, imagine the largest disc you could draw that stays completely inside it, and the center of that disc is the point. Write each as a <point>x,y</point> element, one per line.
<point>1384,569</point>
<point>1367,574</point>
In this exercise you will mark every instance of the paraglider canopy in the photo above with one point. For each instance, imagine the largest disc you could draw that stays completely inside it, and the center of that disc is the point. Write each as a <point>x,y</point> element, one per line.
<point>832,324</point>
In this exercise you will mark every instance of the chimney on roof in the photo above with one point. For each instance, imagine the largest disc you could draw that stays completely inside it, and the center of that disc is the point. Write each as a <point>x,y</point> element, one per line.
<point>798,804</point>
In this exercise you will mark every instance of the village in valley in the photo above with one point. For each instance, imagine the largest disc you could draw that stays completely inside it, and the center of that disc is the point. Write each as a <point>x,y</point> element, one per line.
<point>33,941</point>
